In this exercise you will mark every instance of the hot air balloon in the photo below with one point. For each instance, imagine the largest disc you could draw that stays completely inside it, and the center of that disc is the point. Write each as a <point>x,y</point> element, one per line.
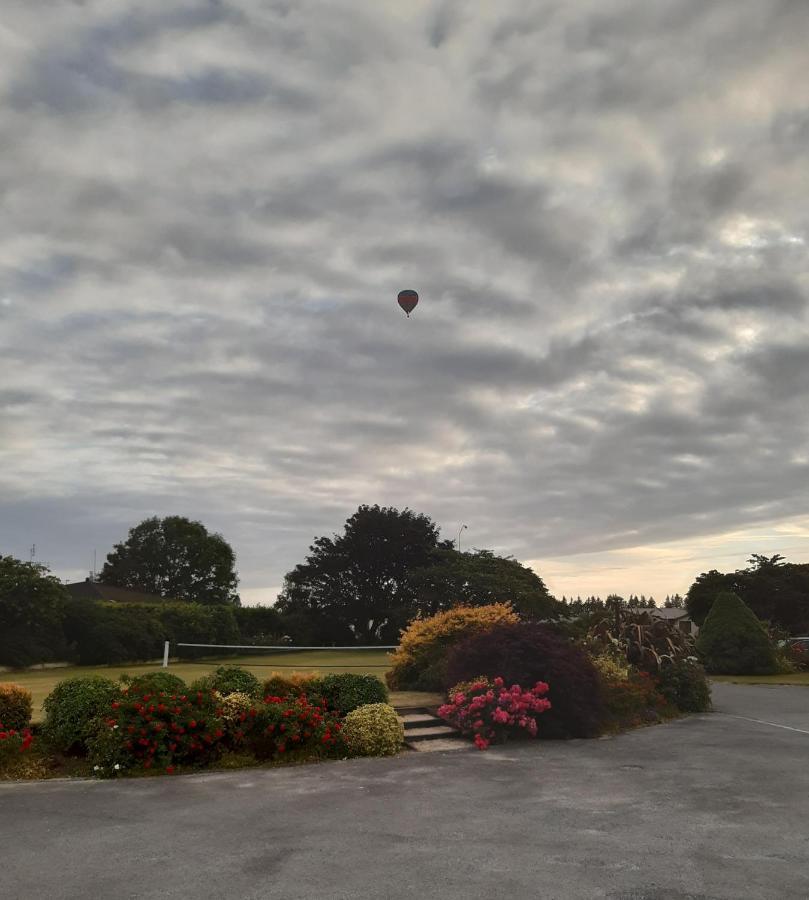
<point>408,301</point>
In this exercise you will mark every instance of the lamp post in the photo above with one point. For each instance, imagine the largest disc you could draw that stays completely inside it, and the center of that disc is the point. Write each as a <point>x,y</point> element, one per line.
<point>459,537</point>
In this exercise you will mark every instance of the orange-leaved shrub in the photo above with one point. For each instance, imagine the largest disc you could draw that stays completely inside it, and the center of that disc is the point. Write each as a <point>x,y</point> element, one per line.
<point>15,706</point>
<point>419,662</point>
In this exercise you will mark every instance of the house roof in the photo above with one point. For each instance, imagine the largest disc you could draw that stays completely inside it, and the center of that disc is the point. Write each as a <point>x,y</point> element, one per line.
<point>661,612</point>
<point>94,590</point>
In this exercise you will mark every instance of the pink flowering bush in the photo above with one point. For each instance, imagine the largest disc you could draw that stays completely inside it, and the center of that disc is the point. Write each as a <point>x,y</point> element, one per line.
<point>493,713</point>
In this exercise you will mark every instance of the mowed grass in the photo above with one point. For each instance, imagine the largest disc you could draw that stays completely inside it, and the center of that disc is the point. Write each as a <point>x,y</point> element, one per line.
<point>796,678</point>
<point>373,662</point>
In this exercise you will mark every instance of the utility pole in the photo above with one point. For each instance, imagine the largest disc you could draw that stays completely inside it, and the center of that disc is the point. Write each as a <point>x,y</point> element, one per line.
<point>462,528</point>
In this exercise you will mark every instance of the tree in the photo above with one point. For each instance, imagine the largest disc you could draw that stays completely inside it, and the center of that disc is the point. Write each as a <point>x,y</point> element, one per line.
<point>32,608</point>
<point>481,578</point>
<point>174,558</point>
<point>733,641</point>
<point>674,602</point>
<point>356,587</point>
<point>776,591</point>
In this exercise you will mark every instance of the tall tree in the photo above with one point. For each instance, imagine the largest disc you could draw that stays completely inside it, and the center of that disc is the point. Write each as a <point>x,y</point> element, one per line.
<point>177,559</point>
<point>776,591</point>
<point>355,586</point>
<point>32,605</point>
<point>478,579</point>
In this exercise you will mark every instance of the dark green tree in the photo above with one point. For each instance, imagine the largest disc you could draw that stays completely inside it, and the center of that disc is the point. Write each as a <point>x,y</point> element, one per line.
<point>32,608</point>
<point>355,587</point>
<point>776,591</point>
<point>174,558</point>
<point>705,589</point>
<point>733,641</point>
<point>478,579</point>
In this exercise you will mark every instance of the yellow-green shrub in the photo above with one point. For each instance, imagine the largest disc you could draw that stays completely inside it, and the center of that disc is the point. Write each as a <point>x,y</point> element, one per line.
<point>609,668</point>
<point>233,705</point>
<point>15,706</point>
<point>373,730</point>
<point>295,684</point>
<point>419,662</point>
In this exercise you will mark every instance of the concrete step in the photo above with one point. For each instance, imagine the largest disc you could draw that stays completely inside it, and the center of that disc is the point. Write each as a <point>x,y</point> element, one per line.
<point>437,744</point>
<point>414,720</point>
<point>430,733</point>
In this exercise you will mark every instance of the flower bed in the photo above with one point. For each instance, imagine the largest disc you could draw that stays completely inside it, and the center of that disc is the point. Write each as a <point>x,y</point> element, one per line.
<point>492,713</point>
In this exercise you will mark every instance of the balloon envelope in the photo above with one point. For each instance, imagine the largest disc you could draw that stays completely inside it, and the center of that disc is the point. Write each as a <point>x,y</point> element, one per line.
<point>408,301</point>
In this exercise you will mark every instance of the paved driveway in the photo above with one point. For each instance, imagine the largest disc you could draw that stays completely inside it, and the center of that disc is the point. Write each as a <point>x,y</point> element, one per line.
<point>713,806</point>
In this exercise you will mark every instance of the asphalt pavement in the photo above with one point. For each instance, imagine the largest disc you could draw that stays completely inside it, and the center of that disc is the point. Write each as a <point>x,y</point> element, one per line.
<point>710,806</point>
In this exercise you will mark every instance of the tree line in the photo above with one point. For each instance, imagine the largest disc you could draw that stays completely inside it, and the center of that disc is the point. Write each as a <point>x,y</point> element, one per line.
<point>360,586</point>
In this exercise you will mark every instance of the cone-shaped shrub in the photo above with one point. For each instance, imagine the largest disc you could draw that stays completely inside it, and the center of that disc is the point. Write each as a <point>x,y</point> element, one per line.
<point>732,640</point>
<point>525,653</point>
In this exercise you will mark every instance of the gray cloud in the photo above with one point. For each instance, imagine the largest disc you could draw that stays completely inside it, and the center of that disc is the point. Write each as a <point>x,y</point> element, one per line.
<point>208,209</point>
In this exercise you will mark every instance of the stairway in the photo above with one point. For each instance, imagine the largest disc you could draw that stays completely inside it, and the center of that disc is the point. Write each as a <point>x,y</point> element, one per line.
<point>425,732</point>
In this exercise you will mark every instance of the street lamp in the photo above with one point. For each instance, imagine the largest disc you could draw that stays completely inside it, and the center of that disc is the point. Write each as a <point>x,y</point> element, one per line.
<point>459,537</point>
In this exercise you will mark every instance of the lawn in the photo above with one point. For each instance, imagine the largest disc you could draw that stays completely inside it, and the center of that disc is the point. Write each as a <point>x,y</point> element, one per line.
<point>375,662</point>
<point>797,678</point>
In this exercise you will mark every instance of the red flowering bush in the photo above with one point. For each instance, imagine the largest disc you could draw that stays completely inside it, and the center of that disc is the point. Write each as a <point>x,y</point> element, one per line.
<point>12,743</point>
<point>282,725</point>
<point>144,730</point>
<point>492,712</point>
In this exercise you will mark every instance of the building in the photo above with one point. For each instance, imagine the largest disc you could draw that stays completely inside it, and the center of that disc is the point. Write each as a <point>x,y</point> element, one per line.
<point>675,616</point>
<point>94,590</point>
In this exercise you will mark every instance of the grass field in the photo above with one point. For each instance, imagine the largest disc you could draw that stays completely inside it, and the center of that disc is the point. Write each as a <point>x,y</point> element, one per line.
<point>375,662</point>
<point>797,678</point>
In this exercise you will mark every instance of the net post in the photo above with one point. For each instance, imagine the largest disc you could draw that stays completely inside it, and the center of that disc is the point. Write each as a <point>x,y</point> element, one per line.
<point>165,654</point>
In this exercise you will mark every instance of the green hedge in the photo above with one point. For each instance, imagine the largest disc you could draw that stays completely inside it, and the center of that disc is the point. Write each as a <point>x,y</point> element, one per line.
<point>73,708</point>
<point>347,691</point>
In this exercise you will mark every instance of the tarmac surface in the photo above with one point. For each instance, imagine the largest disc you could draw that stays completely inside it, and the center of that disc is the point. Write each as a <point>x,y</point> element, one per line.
<point>710,806</point>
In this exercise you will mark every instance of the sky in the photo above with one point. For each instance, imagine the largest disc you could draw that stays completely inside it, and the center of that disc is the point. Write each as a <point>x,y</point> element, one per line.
<point>207,210</point>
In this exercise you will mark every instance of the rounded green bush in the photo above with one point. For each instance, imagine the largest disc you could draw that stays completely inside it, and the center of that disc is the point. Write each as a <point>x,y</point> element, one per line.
<point>229,680</point>
<point>72,708</point>
<point>15,706</point>
<point>346,691</point>
<point>684,684</point>
<point>156,682</point>
<point>373,730</point>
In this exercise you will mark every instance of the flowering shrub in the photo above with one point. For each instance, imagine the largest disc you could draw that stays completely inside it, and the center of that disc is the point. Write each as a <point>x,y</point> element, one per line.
<point>15,706</point>
<point>281,725</point>
<point>492,713</point>
<point>143,731</point>
<point>373,730</point>
<point>528,652</point>
<point>419,663</point>
<point>13,741</point>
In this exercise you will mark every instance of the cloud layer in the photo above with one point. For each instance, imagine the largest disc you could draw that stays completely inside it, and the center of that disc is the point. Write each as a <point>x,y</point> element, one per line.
<point>208,210</point>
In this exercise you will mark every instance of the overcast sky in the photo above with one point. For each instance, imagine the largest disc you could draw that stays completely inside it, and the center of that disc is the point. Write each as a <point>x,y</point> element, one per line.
<point>208,208</point>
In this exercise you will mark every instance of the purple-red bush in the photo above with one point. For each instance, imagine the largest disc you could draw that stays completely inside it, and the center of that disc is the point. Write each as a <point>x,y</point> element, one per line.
<point>525,653</point>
